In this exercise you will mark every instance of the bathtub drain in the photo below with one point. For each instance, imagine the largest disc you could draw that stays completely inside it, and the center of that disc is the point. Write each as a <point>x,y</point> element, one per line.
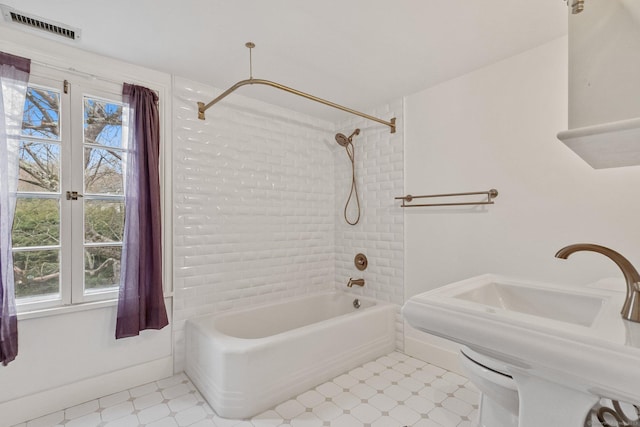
<point>356,303</point>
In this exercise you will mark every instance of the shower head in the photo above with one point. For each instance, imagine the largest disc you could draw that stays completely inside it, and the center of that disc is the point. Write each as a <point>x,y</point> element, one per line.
<point>343,140</point>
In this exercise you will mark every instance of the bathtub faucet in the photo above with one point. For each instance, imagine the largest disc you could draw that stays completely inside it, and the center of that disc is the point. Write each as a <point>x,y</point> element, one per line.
<point>631,308</point>
<point>352,281</point>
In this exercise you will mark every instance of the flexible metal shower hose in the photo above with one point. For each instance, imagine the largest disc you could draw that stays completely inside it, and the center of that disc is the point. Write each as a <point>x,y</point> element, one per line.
<point>354,187</point>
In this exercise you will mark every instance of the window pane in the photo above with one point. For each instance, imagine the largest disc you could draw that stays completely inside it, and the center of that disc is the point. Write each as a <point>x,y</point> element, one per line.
<point>104,221</point>
<point>102,171</point>
<point>36,222</point>
<point>102,123</point>
<point>36,273</point>
<point>41,117</point>
<point>101,267</point>
<point>39,167</point>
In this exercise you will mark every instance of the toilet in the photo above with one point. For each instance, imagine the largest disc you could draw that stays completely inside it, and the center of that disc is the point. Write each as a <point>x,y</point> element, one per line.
<point>499,394</point>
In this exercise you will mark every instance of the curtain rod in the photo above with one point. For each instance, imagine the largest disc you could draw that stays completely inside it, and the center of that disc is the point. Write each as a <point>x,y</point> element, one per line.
<point>202,107</point>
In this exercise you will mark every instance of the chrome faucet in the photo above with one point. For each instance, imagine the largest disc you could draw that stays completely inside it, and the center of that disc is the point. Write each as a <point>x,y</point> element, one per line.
<point>631,307</point>
<point>352,281</point>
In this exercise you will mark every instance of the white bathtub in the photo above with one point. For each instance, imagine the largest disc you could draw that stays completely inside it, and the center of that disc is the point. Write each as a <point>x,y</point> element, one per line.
<point>246,361</point>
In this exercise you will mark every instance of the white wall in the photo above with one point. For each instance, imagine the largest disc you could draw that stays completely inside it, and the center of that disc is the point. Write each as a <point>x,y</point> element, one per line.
<point>68,359</point>
<point>66,356</point>
<point>496,128</point>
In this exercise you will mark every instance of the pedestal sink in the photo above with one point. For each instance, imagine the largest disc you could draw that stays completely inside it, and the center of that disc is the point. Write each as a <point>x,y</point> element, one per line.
<point>565,347</point>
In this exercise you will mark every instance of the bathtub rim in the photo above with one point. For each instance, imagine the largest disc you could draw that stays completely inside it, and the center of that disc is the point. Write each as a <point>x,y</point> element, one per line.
<point>237,344</point>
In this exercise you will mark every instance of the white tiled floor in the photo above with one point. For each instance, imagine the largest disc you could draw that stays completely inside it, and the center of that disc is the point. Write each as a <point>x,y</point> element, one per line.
<point>394,391</point>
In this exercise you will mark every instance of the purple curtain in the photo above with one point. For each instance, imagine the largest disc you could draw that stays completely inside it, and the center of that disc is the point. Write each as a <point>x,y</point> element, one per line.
<point>141,301</point>
<point>14,77</point>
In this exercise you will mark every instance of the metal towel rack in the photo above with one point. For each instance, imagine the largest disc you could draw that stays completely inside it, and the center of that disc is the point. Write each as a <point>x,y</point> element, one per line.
<point>491,194</point>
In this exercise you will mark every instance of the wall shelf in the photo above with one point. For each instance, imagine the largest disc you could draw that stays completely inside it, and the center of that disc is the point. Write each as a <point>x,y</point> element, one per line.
<point>608,145</point>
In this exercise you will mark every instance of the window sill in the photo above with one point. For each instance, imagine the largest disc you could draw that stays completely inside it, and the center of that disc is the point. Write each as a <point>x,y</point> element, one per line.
<point>66,309</point>
<point>75,308</point>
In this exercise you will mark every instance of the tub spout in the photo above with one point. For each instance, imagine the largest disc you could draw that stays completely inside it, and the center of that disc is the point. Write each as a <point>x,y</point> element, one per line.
<point>352,281</point>
<point>631,307</point>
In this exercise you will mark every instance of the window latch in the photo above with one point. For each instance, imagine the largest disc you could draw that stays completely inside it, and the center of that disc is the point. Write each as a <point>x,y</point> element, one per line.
<point>73,195</point>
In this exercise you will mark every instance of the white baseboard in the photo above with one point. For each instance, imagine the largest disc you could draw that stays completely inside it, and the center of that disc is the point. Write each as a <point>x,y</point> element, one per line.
<point>431,353</point>
<point>36,405</point>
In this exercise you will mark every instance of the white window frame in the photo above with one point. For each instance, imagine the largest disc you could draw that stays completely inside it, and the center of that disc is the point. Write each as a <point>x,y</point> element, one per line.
<point>72,231</point>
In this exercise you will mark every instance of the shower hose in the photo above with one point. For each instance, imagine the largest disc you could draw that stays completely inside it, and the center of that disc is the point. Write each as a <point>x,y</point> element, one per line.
<point>354,186</point>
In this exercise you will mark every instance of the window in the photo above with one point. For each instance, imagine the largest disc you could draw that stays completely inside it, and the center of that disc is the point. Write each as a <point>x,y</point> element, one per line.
<point>68,226</point>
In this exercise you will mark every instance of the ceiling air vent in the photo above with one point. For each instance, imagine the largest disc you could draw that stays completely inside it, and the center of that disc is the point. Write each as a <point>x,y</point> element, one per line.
<point>38,24</point>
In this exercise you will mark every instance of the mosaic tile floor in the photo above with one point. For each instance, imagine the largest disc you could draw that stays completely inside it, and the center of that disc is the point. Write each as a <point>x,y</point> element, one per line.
<point>392,391</point>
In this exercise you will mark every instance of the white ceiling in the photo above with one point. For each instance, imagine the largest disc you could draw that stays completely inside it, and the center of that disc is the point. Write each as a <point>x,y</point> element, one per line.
<point>359,53</point>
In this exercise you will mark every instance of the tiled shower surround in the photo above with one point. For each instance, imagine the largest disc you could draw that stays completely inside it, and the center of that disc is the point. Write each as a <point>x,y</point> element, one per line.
<point>258,198</point>
<point>379,163</point>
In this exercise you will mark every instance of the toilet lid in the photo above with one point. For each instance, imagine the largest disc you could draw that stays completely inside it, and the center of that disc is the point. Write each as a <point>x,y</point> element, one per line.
<point>486,361</point>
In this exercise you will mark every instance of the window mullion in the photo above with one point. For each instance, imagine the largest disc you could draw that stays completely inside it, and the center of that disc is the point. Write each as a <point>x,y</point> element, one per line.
<point>76,206</point>
<point>65,209</point>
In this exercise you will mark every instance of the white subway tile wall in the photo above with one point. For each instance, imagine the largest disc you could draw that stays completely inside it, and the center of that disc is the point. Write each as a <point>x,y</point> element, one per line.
<point>379,165</point>
<point>258,199</point>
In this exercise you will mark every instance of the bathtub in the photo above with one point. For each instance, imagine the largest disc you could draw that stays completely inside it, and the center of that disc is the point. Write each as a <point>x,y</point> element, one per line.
<point>246,361</point>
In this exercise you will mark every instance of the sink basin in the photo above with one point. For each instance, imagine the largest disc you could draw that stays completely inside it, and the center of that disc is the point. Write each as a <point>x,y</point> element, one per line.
<point>536,301</point>
<point>573,337</point>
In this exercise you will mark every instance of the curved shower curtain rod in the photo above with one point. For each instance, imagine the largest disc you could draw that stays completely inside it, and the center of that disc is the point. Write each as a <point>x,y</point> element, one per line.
<point>250,81</point>
<point>202,107</point>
